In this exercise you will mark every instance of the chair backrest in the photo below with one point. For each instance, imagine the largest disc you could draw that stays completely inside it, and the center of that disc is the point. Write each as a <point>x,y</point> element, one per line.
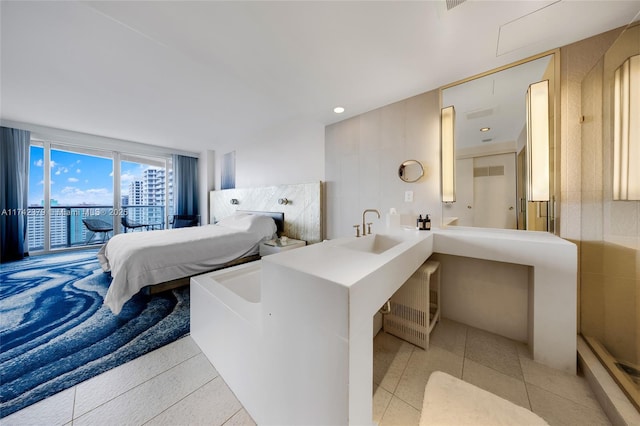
<point>97,225</point>
<point>184,220</point>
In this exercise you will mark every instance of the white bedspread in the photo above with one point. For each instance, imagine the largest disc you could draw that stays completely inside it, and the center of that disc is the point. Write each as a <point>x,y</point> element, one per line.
<point>139,259</point>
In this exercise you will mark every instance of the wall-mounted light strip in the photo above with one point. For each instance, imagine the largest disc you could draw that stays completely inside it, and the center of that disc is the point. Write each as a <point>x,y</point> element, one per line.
<point>537,105</point>
<point>448,146</point>
<point>626,130</point>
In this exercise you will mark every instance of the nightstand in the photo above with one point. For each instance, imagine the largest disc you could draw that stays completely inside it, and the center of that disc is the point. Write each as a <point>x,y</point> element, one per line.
<point>277,246</point>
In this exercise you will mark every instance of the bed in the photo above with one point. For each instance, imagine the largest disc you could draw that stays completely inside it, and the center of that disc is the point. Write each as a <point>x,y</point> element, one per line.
<point>164,258</point>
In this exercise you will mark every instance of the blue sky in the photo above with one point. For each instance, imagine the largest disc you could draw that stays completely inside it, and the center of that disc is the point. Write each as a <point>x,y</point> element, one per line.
<point>78,178</point>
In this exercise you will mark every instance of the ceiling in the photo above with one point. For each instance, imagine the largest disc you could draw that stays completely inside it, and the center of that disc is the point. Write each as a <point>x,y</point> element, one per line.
<point>495,102</point>
<point>194,75</point>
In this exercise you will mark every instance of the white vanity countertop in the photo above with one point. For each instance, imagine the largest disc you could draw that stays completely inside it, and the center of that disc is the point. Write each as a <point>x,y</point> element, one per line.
<point>508,234</point>
<point>332,261</point>
<point>532,248</point>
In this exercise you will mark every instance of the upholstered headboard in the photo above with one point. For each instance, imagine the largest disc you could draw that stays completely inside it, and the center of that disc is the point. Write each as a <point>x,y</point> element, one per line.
<point>302,205</point>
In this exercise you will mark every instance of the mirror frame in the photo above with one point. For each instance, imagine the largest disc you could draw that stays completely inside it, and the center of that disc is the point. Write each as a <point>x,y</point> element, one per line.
<point>408,163</point>
<point>554,151</point>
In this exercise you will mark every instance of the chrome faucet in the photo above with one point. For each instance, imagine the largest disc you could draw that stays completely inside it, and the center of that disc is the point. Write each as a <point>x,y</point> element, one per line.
<point>364,230</point>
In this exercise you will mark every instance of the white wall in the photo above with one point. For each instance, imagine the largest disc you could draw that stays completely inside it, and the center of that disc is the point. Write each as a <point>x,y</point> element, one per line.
<point>288,154</point>
<point>485,294</point>
<point>363,154</point>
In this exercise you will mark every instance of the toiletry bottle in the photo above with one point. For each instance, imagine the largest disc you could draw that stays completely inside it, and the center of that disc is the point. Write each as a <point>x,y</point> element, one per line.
<point>427,223</point>
<point>419,222</point>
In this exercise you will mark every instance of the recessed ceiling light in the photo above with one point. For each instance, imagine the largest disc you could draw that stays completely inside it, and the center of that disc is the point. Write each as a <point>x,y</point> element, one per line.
<point>338,110</point>
<point>485,129</point>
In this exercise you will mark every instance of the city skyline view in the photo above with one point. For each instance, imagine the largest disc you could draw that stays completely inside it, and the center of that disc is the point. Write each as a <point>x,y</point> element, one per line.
<point>79,179</point>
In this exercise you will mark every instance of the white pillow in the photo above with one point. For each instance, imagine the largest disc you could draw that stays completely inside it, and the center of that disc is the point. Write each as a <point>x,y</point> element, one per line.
<point>261,225</point>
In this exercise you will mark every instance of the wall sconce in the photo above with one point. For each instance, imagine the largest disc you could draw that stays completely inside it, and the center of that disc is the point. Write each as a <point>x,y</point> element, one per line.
<point>235,201</point>
<point>537,106</point>
<point>283,201</point>
<point>448,159</point>
<point>626,130</point>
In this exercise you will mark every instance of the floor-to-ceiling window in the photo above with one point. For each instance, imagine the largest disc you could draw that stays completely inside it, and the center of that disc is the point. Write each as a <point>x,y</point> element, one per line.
<point>73,190</point>
<point>35,219</point>
<point>146,192</point>
<point>81,187</point>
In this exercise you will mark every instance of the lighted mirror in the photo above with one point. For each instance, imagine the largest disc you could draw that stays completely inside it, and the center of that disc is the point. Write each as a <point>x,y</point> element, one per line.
<point>410,171</point>
<point>626,130</point>
<point>504,147</point>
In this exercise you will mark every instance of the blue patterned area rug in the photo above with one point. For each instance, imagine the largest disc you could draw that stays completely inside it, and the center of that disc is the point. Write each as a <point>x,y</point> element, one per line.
<point>55,332</point>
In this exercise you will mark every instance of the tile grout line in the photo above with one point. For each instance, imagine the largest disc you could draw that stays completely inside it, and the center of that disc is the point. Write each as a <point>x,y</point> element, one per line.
<point>73,407</point>
<point>395,388</point>
<point>464,354</point>
<point>393,393</point>
<point>233,415</point>
<point>524,381</point>
<point>135,387</point>
<point>575,401</point>
<point>182,399</point>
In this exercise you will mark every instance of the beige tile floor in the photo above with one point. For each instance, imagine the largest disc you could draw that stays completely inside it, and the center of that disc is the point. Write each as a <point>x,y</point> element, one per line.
<point>177,385</point>
<point>173,385</point>
<point>494,363</point>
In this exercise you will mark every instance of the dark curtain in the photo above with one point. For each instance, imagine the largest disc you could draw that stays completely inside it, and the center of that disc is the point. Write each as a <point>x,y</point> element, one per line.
<point>14,191</point>
<point>185,185</point>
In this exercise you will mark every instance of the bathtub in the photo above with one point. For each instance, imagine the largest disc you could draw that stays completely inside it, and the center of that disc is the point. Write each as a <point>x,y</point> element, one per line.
<point>226,324</point>
<point>236,288</point>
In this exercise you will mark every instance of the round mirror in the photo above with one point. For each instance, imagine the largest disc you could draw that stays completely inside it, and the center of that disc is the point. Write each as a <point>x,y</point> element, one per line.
<point>410,171</point>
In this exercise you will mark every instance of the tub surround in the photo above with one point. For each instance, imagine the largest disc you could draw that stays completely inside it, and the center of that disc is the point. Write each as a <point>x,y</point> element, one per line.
<point>309,357</point>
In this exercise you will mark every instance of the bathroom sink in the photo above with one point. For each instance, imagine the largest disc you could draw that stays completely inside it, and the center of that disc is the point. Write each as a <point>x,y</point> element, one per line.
<point>376,243</point>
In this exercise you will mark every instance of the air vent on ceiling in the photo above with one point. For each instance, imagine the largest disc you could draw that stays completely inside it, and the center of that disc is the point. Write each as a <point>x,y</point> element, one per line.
<point>488,171</point>
<point>479,113</point>
<point>453,3</point>
<point>486,140</point>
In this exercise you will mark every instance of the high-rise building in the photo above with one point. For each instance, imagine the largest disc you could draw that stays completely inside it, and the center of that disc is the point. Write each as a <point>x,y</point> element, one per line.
<point>153,192</point>
<point>135,199</point>
<point>35,229</point>
<point>149,192</point>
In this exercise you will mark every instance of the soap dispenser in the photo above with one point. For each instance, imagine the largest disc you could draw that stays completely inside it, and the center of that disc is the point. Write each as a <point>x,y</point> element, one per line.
<point>393,219</point>
<point>419,222</point>
<point>427,223</point>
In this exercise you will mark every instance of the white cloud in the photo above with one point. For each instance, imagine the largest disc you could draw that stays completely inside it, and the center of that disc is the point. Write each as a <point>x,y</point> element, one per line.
<point>98,191</point>
<point>78,171</point>
<point>38,163</point>
<point>73,180</point>
<point>127,177</point>
<point>71,195</point>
